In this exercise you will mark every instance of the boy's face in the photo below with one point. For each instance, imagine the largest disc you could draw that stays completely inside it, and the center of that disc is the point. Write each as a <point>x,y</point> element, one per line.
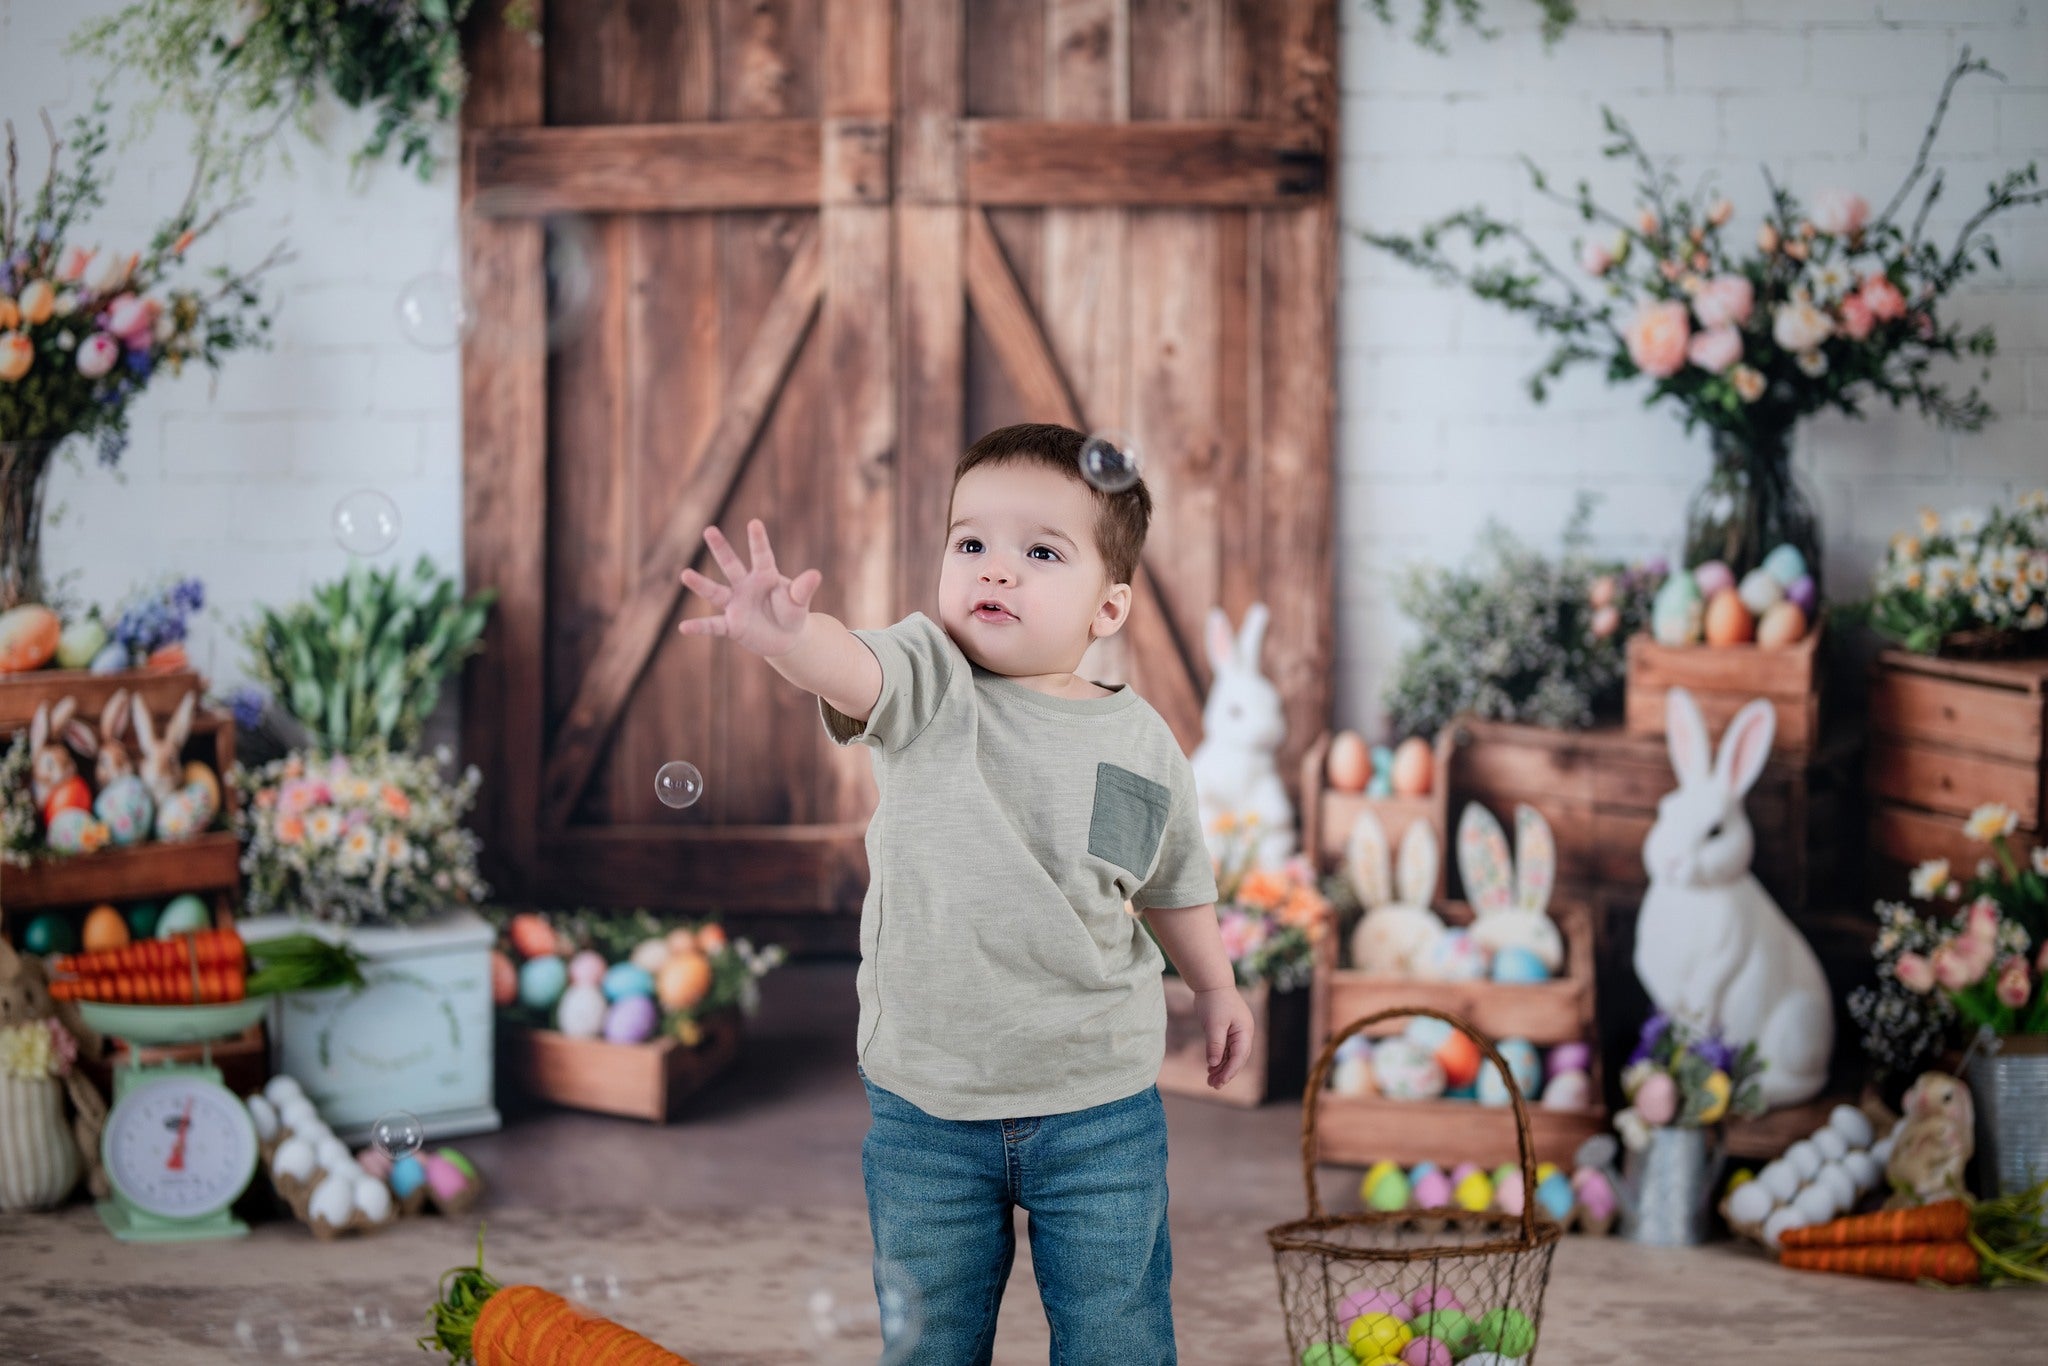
<point>1024,536</point>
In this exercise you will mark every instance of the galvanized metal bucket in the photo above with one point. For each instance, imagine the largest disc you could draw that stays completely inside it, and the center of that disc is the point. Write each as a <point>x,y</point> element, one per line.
<point>2009,1085</point>
<point>1672,1182</point>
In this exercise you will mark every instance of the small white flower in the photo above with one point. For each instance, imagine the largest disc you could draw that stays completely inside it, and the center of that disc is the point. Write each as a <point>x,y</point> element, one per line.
<point>1813,364</point>
<point>1966,522</point>
<point>66,340</point>
<point>1827,281</point>
<point>1989,821</point>
<point>1929,878</point>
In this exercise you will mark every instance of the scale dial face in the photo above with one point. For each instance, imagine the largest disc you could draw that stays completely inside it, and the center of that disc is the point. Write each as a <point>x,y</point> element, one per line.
<point>179,1147</point>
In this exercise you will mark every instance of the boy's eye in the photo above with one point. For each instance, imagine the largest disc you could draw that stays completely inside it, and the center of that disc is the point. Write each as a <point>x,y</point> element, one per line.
<point>1047,549</point>
<point>968,544</point>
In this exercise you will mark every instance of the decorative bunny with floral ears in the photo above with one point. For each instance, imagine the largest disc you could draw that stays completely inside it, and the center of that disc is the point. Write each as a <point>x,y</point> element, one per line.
<point>1242,727</point>
<point>1510,896</point>
<point>1399,929</point>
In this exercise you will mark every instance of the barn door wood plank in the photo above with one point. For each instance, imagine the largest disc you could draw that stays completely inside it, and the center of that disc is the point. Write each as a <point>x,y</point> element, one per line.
<point>642,617</point>
<point>1160,162</point>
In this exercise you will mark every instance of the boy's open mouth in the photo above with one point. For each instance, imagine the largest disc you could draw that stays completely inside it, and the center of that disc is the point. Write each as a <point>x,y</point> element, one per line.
<point>991,609</point>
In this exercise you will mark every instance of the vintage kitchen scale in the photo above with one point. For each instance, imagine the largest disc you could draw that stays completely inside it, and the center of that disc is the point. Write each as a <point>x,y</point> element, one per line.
<point>179,1147</point>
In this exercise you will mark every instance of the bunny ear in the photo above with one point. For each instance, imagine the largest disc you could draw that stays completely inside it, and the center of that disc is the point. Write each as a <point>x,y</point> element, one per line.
<point>61,714</point>
<point>81,738</point>
<point>180,726</point>
<point>1368,862</point>
<point>1685,732</point>
<point>1535,858</point>
<point>114,716</point>
<point>1746,747</point>
<point>1222,647</point>
<point>39,727</point>
<point>1483,860</point>
<point>1419,859</point>
<point>1252,638</point>
<point>145,729</point>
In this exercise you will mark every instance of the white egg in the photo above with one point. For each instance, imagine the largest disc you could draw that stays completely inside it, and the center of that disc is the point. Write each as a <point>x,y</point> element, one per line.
<point>294,1158</point>
<point>1804,1159</point>
<point>1830,1144</point>
<point>580,1014</point>
<point>1814,1204</point>
<point>332,1200</point>
<point>1834,1178</point>
<point>1852,1124</point>
<point>372,1197</point>
<point>332,1153</point>
<point>650,954</point>
<point>1780,1180</point>
<point>1882,1151</point>
<point>264,1115</point>
<point>280,1089</point>
<point>298,1115</point>
<point>1782,1218</point>
<point>1750,1203</point>
<point>1863,1170</point>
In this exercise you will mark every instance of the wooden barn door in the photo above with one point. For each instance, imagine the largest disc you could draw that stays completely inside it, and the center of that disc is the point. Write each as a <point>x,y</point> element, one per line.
<point>833,241</point>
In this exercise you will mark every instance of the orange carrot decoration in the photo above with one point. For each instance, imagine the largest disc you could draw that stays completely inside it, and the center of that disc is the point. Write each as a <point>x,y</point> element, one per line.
<point>479,1322</point>
<point>1954,1263</point>
<point>216,948</point>
<point>1944,1221</point>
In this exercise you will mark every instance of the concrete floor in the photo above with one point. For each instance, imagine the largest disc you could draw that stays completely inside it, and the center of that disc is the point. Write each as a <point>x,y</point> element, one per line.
<point>714,1232</point>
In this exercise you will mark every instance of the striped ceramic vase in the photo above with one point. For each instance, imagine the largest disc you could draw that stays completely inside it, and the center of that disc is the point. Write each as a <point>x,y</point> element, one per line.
<point>38,1159</point>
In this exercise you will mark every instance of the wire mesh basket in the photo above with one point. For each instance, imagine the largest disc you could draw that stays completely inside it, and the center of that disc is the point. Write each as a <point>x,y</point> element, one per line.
<point>1369,1287</point>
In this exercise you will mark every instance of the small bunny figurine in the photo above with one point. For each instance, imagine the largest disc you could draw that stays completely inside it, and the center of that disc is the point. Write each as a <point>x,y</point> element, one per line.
<point>163,761</point>
<point>42,1150</point>
<point>52,736</point>
<point>1510,896</point>
<point>1712,947</point>
<point>1936,1135</point>
<point>113,760</point>
<point>1397,933</point>
<point>1242,727</point>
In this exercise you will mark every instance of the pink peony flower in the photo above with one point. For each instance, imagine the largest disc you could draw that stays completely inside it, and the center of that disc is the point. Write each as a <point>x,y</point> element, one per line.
<point>2013,986</point>
<point>1748,382</point>
<point>1647,222</point>
<point>1800,326</point>
<point>1882,298</point>
<point>76,262</point>
<point>97,354</point>
<point>1982,922</point>
<point>1657,337</point>
<point>1715,349</point>
<point>1595,258</point>
<point>1856,318</point>
<point>1914,972</point>
<point>1724,300</point>
<point>133,320</point>
<point>17,354</point>
<point>1721,212</point>
<point>1840,212</point>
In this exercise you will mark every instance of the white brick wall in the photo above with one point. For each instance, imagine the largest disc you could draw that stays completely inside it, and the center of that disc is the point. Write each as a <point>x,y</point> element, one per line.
<point>1435,431</point>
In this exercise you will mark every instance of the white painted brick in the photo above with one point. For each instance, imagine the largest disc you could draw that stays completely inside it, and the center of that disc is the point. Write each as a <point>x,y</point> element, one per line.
<point>1394,125</point>
<point>1378,444</point>
<point>375,450</point>
<point>1772,126</point>
<point>1615,63</point>
<point>2022,121</point>
<point>1953,13</point>
<point>1728,62</point>
<point>1865,60</point>
<point>409,380</point>
<point>1894,124</point>
<point>1676,14</point>
<point>1804,13</point>
<point>2014,447</point>
<point>1512,125</point>
<point>1387,317</point>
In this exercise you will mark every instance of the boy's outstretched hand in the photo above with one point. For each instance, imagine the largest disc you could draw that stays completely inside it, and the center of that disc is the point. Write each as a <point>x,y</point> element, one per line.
<point>1227,1025</point>
<point>760,608</point>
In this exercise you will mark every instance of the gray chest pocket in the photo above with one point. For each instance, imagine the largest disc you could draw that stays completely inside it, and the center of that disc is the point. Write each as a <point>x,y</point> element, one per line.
<point>1129,818</point>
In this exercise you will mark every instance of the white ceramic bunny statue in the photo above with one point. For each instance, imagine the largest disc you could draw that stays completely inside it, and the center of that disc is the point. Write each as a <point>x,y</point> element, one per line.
<point>1510,897</point>
<point>1242,727</point>
<point>1399,929</point>
<point>1712,947</point>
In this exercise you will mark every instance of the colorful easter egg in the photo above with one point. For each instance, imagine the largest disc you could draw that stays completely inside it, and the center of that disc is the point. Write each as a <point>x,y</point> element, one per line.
<point>124,806</point>
<point>1382,785</point>
<point>1327,1354</point>
<point>1675,613</point>
<point>1429,1299</point>
<point>1426,1351</point>
<point>531,935</point>
<point>1431,1192</point>
<point>1728,621</point>
<point>542,981</point>
<point>1474,1193</point>
<point>1554,1195</point>
<point>1595,1192</point>
<point>198,775</point>
<point>683,980</point>
<point>407,1175</point>
<point>1507,1331</point>
<point>1373,1336</point>
<point>111,659</point>
<point>1451,1326</point>
<point>632,1019</point>
<point>1524,1065</point>
<point>1713,576</point>
<point>649,955</point>
<point>1350,762</point>
<point>1569,1057</point>
<point>1403,1070</point>
<point>1656,1098</point>
<point>79,642</point>
<point>454,1158</point>
<point>1455,956</point>
<point>1568,1091</point>
<point>1414,768</point>
<point>49,933</point>
<point>504,979</point>
<point>142,918</point>
<point>1785,564</point>
<point>1513,963</point>
<point>105,930</point>
<point>1459,1056</point>
<point>587,969</point>
<point>1508,1194</point>
<point>73,794</point>
<point>627,979</point>
<point>1463,1170</point>
<point>183,914</point>
<point>1390,1193</point>
<point>28,637</point>
<point>1781,626</point>
<point>1804,593</point>
<point>375,1162</point>
<point>1374,1175</point>
<point>580,1012</point>
<point>74,831</point>
<point>445,1181</point>
<point>1759,592</point>
<point>1371,1300</point>
<point>1352,1077</point>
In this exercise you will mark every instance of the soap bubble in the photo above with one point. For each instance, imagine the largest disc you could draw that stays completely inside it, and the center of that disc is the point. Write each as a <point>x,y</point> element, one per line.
<point>366,522</point>
<point>678,784</point>
<point>435,312</point>
<point>372,1320</point>
<point>1110,461</point>
<point>574,270</point>
<point>398,1134</point>
<point>845,1321</point>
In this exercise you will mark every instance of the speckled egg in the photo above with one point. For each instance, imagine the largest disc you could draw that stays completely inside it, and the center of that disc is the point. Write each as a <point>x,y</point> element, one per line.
<point>586,969</point>
<point>1676,612</point>
<point>1785,564</point>
<point>1404,1070</point>
<point>1523,1064</point>
<point>125,808</point>
<point>542,980</point>
<point>1713,576</point>
<point>1455,957</point>
<point>74,831</point>
<point>632,1019</point>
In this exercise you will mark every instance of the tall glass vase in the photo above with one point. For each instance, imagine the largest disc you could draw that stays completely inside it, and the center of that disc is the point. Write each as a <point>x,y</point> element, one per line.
<point>24,474</point>
<point>1751,504</point>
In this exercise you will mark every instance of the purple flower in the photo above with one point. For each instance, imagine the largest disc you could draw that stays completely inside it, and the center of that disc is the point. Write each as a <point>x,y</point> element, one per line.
<point>1653,1033</point>
<point>1715,1050</point>
<point>248,703</point>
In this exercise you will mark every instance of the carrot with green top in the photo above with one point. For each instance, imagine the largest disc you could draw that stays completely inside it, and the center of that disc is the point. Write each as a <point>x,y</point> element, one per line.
<point>478,1322</point>
<point>1953,1263</point>
<point>1944,1221</point>
<point>212,948</point>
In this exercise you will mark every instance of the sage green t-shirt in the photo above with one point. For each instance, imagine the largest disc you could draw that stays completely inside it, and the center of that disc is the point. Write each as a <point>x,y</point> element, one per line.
<point>1000,975</point>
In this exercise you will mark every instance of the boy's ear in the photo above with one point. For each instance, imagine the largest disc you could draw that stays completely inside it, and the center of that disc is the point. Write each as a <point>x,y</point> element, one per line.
<point>1113,613</point>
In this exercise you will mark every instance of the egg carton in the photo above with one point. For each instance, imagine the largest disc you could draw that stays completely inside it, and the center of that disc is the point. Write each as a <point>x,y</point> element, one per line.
<point>297,1193</point>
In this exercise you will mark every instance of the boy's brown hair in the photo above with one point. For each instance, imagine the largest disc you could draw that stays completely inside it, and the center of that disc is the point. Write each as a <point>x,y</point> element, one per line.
<point>1121,519</point>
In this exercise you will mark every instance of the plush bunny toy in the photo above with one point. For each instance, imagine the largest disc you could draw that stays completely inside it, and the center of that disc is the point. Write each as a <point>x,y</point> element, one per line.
<point>42,1152</point>
<point>1712,947</point>
<point>1510,896</point>
<point>1242,726</point>
<point>1399,929</point>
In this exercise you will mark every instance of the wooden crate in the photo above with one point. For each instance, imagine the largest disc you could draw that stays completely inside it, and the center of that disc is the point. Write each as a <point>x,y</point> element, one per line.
<point>1722,678</point>
<point>1278,1065</point>
<point>22,693</point>
<point>640,1081</point>
<point>1358,1130</point>
<point>1948,736</point>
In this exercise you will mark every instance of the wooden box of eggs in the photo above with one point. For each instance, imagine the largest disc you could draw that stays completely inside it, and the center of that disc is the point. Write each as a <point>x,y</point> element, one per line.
<point>1722,678</point>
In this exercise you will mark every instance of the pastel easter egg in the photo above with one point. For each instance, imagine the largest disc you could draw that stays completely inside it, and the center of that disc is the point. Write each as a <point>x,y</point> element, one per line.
<point>50,933</point>
<point>1568,1091</point>
<point>142,918</point>
<point>28,633</point>
<point>1426,1352</point>
<point>374,1161</point>
<point>1569,1057</point>
<point>1675,613</point>
<point>1383,760</point>
<point>1785,564</point>
<point>1420,1170</point>
<point>454,1158</point>
<point>504,979</point>
<point>1474,1193</point>
<point>627,979</point>
<point>1450,1325</point>
<point>78,642</point>
<point>1459,1056</point>
<point>631,1019</point>
<point>1804,593</point>
<point>1463,1170</point>
<point>1403,1070</point>
<point>531,935</point>
<point>683,979</point>
<point>111,659</point>
<point>73,792</point>
<point>183,914</point>
<point>1656,1098</point>
<point>1371,1300</point>
<point>1852,1124</point>
<point>445,1181</point>
<point>1469,1091</point>
<point>580,1012</point>
<point>202,778</point>
<point>1501,1173</point>
<point>1382,785</point>
<point>649,954</point>
<point>1554,1195</point>
<point>1357,1046</point>
<point>1414,768</point>
<point>1781,625</point>
<point>1327,1354</point>
<point>72,830</point>
<point>1350,762</point>
<point>105,929</point>
<point>1713,576</point>
<point>407,1175</point>
<point>1428,1031</point>
<point>125,808</point>
<point>1595,1192</point>
<point>1507,1331</point>
<point>1455,957</point>
<point>1545,1170</point>
<point>1729,620</point>
<point>1759,592</point>
<point>1373,1336</point>
<point>1524,1065</point>
<point>586,969</point>
<point>1432,1191</point>
<point>1352,1077</point>
<point>1374,1175</point>
<point>542,980</point>
<point>1491,1359</point>
<point>1514,963</point>
<point>1508,1194</point>
<point>1391,1194</point>
<point>1429,1299</point>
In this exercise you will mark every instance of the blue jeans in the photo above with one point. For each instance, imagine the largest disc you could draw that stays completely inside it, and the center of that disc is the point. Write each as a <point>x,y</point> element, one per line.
<point>1093,1181</point>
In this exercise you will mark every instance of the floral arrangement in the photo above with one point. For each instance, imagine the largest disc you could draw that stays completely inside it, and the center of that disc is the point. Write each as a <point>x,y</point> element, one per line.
<point>1970,574</point>
<point>34,1049</point>
<point>373,838</point>
<point>1687,1078</point>
<point>1271,919</point>
<point>21,825</point>
<point>1522,638</point>
<point>1832,304</point>
<point>402,58</point>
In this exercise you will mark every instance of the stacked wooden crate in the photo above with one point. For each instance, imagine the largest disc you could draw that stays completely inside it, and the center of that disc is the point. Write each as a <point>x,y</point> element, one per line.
<point>1722,679</point>
<point>1948,736</point>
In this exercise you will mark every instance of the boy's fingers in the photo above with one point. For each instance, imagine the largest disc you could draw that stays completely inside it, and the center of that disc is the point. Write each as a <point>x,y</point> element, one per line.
<point>757,540</point>
<point>717,593</point>
<point>804,586</point>
<point>702,626</point>
<point>721,550</point>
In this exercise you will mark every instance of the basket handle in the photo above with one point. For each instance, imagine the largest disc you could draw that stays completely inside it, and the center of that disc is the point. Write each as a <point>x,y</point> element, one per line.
<point>1320,1072</point>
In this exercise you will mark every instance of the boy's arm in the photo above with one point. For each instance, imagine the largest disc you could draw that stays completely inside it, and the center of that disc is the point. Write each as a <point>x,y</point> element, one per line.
<point>1194,942</point>
<point>832,662</point>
